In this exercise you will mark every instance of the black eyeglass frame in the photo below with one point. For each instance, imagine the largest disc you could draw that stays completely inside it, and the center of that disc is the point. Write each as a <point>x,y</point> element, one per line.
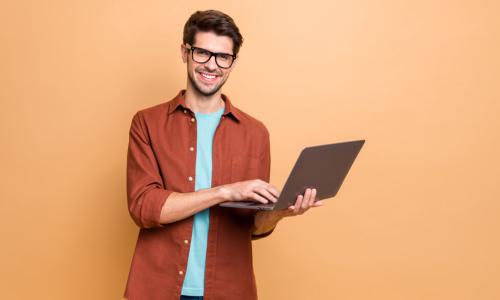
<point>216,54</point>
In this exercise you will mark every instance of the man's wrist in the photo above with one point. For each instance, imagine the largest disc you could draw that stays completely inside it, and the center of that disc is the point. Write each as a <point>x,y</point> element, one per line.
<point>275,215</point>
<point>222,194</point>
<point>266,220</point>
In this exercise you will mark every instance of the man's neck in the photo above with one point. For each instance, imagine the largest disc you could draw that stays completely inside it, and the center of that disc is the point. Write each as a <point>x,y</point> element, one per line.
<point>203,104</point>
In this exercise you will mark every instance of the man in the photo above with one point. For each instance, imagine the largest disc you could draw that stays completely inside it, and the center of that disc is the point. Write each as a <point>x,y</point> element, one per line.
<point>185,157</point>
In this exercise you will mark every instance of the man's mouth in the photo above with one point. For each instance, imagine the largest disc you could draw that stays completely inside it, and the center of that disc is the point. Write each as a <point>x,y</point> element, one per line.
<point>208,77</point>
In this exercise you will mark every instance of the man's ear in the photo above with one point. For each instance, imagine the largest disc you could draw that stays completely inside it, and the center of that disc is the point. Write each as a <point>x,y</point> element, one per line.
<point>184,53</point>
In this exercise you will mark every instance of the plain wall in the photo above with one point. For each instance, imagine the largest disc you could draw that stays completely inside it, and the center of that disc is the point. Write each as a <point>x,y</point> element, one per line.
<point>417,217</point>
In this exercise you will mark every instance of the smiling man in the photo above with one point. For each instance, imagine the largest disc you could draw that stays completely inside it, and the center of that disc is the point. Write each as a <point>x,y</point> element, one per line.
<point>186,156</point>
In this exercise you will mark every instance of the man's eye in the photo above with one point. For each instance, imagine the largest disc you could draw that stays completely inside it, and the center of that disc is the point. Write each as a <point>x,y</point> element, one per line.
<point>224,57</point>
<point>202,52</point>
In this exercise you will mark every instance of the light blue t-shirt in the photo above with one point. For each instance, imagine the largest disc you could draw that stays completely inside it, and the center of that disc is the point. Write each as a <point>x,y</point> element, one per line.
<point>195,274</point>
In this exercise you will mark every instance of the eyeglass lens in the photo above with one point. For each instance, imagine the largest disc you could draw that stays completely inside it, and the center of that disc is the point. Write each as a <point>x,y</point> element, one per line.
<point>202,56</point>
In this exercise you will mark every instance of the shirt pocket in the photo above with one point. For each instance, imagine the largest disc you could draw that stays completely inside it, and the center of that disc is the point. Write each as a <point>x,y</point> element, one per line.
<point>246,168</point>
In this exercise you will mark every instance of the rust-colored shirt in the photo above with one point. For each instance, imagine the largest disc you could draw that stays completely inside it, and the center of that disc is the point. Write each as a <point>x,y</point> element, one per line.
<point>161,160</point>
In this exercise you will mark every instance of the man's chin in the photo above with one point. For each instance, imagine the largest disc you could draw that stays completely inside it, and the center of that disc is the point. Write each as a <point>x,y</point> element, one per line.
<point>207,92</point>
<point>203,90</point>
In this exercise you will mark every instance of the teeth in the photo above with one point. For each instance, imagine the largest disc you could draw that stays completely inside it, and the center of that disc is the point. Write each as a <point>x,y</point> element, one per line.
<point>208,76</point>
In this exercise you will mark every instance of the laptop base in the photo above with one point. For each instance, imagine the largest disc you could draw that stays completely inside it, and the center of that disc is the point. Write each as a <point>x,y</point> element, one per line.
<point>249,205</point>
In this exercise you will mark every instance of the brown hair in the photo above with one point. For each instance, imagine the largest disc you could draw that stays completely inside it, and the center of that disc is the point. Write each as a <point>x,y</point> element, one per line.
<point>212,21</point>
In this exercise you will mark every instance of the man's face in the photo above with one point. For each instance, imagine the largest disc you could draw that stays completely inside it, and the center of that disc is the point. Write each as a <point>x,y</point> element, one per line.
<point>207,78</point>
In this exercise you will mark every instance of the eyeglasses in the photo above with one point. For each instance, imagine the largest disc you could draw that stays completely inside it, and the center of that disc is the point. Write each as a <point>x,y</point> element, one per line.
<point>201,56</point>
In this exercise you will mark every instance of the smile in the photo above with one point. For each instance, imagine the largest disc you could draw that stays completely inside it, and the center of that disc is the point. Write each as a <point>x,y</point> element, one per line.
<point>208,77</point>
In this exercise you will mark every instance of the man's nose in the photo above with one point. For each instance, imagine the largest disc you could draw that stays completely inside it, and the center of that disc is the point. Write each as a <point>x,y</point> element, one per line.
<point>211,64</point>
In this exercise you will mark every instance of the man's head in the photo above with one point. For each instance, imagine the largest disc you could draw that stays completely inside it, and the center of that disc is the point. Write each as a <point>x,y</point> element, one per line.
<point>210,46</point>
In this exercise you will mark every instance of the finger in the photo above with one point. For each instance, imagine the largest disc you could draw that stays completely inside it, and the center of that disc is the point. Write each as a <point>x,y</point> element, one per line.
<point>314,192</point>
<point>298,204</point>
<point>318,203</point>
<point>292,207</point>
<point>269,187</point>
<point>307,197</point>
<point>265,193</point>
<point>273,190</point>
<point>259,198</point>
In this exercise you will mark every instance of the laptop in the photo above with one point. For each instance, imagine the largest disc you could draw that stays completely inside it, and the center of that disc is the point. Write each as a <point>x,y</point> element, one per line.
<point>322,167</point>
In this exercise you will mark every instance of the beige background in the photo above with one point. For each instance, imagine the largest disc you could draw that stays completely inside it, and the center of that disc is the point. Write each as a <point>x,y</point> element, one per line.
<point>417,218</point>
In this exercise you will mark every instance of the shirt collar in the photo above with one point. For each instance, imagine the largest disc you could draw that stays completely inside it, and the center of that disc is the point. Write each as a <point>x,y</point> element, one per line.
<point>180,101</point>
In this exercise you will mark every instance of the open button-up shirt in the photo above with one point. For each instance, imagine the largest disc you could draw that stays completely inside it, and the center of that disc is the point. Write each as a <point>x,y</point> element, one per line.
<point>162,159</point>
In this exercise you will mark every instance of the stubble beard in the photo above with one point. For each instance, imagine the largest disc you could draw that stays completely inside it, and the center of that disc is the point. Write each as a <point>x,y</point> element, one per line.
<point>200,91</point>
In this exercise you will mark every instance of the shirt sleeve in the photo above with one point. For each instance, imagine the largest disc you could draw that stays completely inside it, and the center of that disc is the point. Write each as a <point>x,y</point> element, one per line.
<point>145,191</point>
<point>266,172</point>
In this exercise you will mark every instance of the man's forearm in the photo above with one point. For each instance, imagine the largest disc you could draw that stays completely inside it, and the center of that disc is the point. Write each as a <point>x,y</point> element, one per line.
<point>265,221</point>
<point>179,206</point>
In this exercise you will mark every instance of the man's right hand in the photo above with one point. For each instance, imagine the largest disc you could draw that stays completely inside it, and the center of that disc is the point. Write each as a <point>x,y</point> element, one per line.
<point>256,190</point>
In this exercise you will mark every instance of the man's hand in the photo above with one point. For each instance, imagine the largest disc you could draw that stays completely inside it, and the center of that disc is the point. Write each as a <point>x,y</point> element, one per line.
<point>257,190</point>
<point>302,204</point>
<point>265,221</point>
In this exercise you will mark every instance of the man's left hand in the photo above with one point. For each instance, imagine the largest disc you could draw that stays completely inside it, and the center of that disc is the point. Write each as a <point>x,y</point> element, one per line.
<point>265,221</point>
<point>302,204</point>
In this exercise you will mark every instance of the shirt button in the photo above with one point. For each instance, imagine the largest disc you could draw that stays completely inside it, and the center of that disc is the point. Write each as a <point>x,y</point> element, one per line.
<point>191,149</point>
<point>180,272</point>
<point>186,241</point>
<point>190,178</point>
<point>193,119</point>
<point>185,111</point>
